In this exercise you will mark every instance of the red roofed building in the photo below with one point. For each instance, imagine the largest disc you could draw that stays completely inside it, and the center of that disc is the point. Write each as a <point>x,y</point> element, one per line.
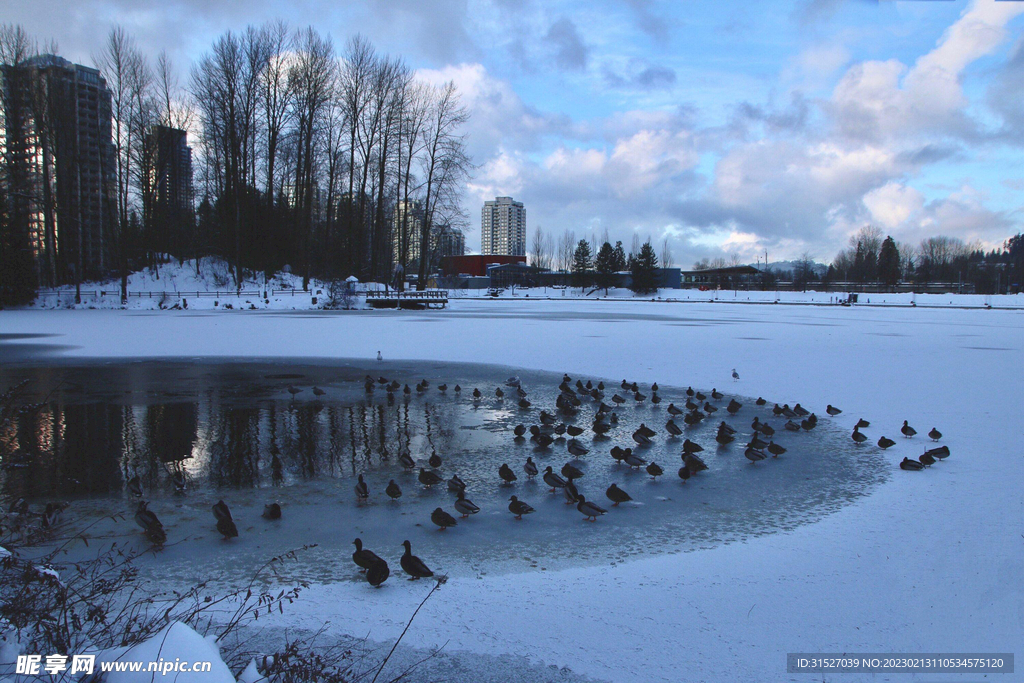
<point>476,264</point>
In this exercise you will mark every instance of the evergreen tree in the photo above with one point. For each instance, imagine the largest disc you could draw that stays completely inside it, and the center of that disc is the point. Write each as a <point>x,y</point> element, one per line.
<point>645,270</point>
<point>620,257</point>
<point>605,266</point>
<point>889,263</point>
<point>581,264</point>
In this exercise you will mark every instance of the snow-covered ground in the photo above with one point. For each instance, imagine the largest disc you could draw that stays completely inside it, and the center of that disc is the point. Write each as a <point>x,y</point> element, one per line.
<point>928,562</point>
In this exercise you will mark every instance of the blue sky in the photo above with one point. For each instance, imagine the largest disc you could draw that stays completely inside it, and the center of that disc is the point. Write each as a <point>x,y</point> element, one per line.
<point>728,127</point>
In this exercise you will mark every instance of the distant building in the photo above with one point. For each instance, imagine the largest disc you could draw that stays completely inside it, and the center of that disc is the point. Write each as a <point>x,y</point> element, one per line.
<point>405,232</point>
<point>169,174</point>
<point>503,227</point>
<point>56,134</point>
<point>449,241</point>
<point>475,264</point>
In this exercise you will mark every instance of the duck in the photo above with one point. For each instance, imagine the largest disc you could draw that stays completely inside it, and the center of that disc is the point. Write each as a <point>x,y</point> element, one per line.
<point>272,511</point>
<point>378,573</point>
<point>618,453</point>
<point>801,411</point>
<point>654,469</point>
<point>655,399</point>
<point>832,410</point>
<point>934,434</point>
<point>885,443</point>
<point>552,479</point>
<point>560,429</point>
<point>617,495</point>
<point>221,511</point>
<point>724,438</point>
<point>684,473</point>
<point>907,430</point>
<point>573,430</point>
<point>672,410</point>
<point>940,453</point>
<point>523,403</point>
<point>694,463</point>
<point>777,410</point>
<point>792,426</point>
<point>699,396</point>
<point>808,424</point>
<point>434,460</point>
<point>672,428</point>
<point>442,388</point>
<point>654,387</point>
<point>756,442</point>
<point>775,449</point>
<point>530,468</point>
<point>227,528</point>
<point>362,490</point>
<point>633,460</point>
<point>393,490</point>
<point>458,389</point>
<point>406,461</point>
<point>709,409</point>
<point>363,558</point>
<point>618,399</point>
<point>428,478</point>
<point>787,411</point>
<point>754,454</point>
<point>506,473</point>
<point>413,565</point>
<point>498,393</point>
<point>464,506</point>
<point>477,394</point>
<point>911,465</point>
<point>518,507</point>
<point>857,436</point>
<point>638,397</point>
<point>767,430</point>
<point>455,484</point>
<point>442,519</point>
<point>52,514</point>
<point>135,486</point>
<point>723,426</point>
<point>692,447</point>
<point>149,523</point>
<point>760,401</point>
<point>641,438</point>
<point>689,391</point>
<point>863,424</point>
<point>717,395</point>
<point>544,440</point>
<point>570,472</point>
<point>571,493</point>
<point>590,511</point>
<point>406,390</point>
<point>734,406</point>
<point>576,448</point>
<point>926,459</point>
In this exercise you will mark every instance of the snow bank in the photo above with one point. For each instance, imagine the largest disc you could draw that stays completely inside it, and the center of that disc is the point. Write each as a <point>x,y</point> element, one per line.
<point>176,644</point>
<point>731,296</point>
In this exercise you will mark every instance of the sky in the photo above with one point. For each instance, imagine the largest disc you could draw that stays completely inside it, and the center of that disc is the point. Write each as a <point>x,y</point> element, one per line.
<point>729,128</point>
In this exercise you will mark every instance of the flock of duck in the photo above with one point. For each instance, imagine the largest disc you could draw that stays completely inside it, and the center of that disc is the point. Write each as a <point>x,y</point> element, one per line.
<point>556,426</point>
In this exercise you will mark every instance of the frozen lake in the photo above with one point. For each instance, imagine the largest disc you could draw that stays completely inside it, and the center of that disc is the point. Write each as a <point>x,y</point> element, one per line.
<point>196,432</point>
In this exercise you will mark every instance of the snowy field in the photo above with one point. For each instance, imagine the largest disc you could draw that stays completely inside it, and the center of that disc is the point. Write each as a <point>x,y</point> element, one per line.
<point>927,562</point>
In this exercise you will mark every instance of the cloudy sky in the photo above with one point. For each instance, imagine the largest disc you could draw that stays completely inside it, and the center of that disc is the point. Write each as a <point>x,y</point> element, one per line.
<point>729,127</point>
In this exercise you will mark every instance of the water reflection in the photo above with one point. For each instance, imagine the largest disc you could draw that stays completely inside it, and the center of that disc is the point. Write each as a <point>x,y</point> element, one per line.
<point>69,448</point>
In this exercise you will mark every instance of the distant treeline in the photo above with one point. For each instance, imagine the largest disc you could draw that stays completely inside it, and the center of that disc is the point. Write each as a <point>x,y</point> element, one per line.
<point>302,155</point>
